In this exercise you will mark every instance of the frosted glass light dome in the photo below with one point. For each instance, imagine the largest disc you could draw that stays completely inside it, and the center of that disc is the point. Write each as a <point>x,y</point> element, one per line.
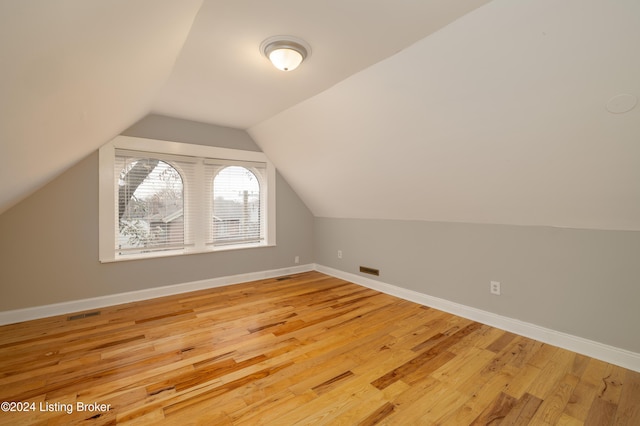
<point>285,59</point>
<point>285,52</point>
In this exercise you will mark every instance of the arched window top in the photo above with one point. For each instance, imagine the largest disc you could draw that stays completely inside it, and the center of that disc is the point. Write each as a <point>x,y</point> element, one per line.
<point>232,181</point>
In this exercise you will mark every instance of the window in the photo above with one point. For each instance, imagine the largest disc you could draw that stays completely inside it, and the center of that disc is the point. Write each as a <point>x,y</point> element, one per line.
<point>164,198</point>
<point>236,206</point>
<point>150,204</point>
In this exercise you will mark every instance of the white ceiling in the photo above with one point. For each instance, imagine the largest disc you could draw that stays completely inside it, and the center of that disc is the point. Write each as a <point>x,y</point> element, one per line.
<point>222,77</point>
<point>432,110</point>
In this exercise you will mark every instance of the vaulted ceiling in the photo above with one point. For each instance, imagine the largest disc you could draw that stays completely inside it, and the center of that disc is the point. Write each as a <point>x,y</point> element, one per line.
<point>469,111</point>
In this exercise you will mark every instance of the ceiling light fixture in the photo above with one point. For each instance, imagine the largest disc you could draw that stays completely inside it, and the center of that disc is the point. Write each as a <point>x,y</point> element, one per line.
<point>285,52</point>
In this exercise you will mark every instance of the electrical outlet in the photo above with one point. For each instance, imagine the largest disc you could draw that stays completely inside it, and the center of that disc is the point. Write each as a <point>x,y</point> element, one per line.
<point>495,288</point>
<point>339,254</point>
<point>296,259</point>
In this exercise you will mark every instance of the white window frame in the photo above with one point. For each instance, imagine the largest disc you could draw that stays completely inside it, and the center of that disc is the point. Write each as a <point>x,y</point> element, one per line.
<point>108,204</point>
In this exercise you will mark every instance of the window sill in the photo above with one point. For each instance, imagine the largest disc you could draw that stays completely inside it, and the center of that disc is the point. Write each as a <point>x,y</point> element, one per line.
<point>183,252</point>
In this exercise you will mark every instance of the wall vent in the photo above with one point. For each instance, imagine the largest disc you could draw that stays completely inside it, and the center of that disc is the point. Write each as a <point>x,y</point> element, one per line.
<point>85,315</point>
<point>370,271</point>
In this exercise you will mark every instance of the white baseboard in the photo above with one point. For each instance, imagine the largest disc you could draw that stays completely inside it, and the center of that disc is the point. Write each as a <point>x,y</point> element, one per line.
<point>611,354</point>
<point>26,314</point>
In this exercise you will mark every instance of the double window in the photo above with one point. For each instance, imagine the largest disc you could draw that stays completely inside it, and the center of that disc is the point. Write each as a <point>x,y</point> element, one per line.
<point>162,198</point>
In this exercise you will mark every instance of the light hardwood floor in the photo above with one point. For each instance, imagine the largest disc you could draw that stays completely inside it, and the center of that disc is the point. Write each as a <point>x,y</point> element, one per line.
<point>304,349</point>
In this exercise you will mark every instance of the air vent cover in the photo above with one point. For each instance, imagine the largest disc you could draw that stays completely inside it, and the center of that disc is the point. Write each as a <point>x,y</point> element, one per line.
<point>370,271</point>
<point>84,315</point>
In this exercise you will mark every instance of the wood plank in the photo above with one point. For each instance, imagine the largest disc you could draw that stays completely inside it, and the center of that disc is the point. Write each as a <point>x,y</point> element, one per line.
<point>308,348</point>
<point>378,415</point>
<point>601,412</point>
<point>553,406</point>
<point>552,373</point>
<point>628,412</point>
<point>496,411</point>
<point>523,411</point>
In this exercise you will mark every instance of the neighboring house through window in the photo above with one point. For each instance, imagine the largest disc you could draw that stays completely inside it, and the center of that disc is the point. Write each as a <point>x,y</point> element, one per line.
<point>236,205</point>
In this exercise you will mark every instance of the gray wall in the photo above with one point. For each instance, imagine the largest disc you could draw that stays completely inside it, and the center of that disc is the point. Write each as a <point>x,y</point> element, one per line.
<point>49,241</point>
<point>582,282</point>
<point>177,130</point>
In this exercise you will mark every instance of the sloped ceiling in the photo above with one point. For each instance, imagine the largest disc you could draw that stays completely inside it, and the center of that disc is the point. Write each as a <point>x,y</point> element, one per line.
<point>498,118</point>
<point>436,110</point>
<point>74,74</point>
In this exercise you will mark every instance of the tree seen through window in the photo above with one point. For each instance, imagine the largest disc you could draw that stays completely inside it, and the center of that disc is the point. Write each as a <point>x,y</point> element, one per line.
<point>151,205</point>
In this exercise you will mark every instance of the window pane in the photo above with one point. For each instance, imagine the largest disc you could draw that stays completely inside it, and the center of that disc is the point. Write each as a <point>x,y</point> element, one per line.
<point>236,206</point>
<point>151,206</point>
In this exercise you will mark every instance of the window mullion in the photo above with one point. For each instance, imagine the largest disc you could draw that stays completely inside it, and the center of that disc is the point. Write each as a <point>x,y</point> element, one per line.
<point>198,223</point>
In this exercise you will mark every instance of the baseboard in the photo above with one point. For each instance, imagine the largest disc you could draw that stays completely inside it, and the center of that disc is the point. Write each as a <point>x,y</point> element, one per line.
<point>611,354</point>
<point>26,314</point>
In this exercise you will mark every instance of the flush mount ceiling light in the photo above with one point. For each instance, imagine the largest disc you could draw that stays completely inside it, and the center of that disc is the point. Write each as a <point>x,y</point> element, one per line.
<point>285,52</point>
